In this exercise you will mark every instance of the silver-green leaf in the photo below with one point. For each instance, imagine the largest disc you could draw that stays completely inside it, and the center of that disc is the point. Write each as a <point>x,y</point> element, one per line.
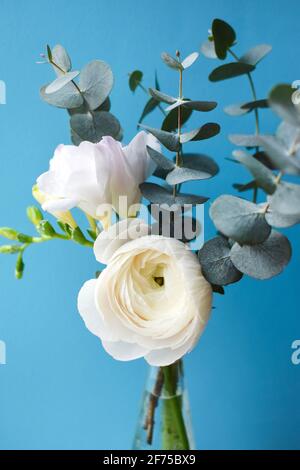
<point>207,131</point>
<point>95,82</point>
<point>168,139</point>
<point>61,81</point>
<point>159,96</point>
<point>265,260</point>
<point>256,54</point>
<point>230,70</point>
<point>171,62</point>
<point>216,264</point>
<point>67,97</point>
<point>92,126</point>
<point>159,195</point>
<point>241,220</point>
<point>61,58</point>
<point>264,177</point>
<point>280,99</point>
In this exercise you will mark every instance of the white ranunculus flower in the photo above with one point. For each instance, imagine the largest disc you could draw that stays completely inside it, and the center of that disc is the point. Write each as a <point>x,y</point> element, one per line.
<point>150,301</point>
<point>92,175</point>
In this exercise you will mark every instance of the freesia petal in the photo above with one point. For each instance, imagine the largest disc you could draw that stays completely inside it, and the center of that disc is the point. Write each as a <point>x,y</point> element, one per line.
<point>124,351</point>
<point>142,166</point>
<point>59,205</point>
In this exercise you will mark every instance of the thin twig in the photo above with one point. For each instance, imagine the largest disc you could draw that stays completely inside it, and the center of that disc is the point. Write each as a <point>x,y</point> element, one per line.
<point>153,402</point>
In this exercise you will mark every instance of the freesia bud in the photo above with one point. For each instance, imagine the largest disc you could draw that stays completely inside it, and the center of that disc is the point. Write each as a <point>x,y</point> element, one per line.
<point>19,266</point>
<point>34,215</point>
<point>46,229</point>
<point>9,249</point>
<point>9,233</point>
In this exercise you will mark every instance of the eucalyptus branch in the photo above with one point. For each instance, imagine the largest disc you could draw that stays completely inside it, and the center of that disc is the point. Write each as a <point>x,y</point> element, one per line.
<point>251,82</point>
<point>140,85</point>
<point>178,153</point>
<point>257,130</point>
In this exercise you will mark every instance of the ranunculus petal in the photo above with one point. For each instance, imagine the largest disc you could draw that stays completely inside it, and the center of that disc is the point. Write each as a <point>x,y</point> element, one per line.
<point>89,312</point>
<point>123,351</point>
<point>116,236</point>
<point>166,356</point>
<point>152,296</point>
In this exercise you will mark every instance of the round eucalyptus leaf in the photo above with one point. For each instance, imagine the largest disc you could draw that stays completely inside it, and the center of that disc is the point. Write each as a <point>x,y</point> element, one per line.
<point>170,123</point>
<point>135,79</point>
<point>265,260</point>
<point>67,97</point>
<point>171,62</point>
<point>208,49</point>
<point>207,131</point>
<point>189,60</point>
<point>286,199</point>
<point>92,126</point>
<point>256,54</point>
<point>281,220</point>
<point>159,195</point>
<point>262,157</point>
<point>280,100</point>
<point>149,107</point>
<point>200,105</point>
<point>245,140</point>
<point>61,58</point>
<point>241,220</point>
<point>224,37</point>
<point>230,70</point>
<point>160,160</point>
<point>194,167</point>
<point>61,81</point>
<point>95,82</point>
<point>76,140</point>
<point>216,264</point>
<point>257,104</point>
<point>235,110</point>
<point>280,155</point>
<point>182,227</point>
<point>200,162</point>
<point>168,139</point>
<point>194,105</point>
<point>290,137</point>
<point>159,96</point>
<point>264,177</point>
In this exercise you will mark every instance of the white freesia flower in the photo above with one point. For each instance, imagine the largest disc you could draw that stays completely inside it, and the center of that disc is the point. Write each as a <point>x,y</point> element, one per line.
<point>151,301</point>
<point>65,217</point>
<point>91,176</point>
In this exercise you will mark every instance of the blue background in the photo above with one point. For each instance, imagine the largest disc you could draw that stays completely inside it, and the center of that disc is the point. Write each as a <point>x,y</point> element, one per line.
<point>59,389</point>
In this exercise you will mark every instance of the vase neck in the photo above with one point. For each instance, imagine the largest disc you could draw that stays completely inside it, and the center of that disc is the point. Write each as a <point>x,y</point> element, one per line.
<point>166,382</point>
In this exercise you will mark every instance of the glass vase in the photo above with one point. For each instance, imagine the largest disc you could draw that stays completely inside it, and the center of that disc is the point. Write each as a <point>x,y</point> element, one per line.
<point>164,422</point>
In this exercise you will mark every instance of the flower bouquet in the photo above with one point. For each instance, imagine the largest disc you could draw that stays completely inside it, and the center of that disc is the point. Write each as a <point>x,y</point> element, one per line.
<point>152,296</point>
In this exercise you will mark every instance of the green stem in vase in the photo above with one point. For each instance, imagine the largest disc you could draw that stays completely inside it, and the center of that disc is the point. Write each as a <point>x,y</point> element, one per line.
<point>174,434</point>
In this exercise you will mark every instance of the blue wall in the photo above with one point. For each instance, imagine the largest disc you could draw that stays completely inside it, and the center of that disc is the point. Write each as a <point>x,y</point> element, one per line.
<point>59,389</point>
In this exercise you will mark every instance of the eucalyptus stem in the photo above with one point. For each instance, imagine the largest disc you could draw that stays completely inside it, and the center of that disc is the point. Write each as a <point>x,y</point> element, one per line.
<point>179,123</point>
<point>257,128</point>
<point>252,86</point>
<point>64,72</point>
